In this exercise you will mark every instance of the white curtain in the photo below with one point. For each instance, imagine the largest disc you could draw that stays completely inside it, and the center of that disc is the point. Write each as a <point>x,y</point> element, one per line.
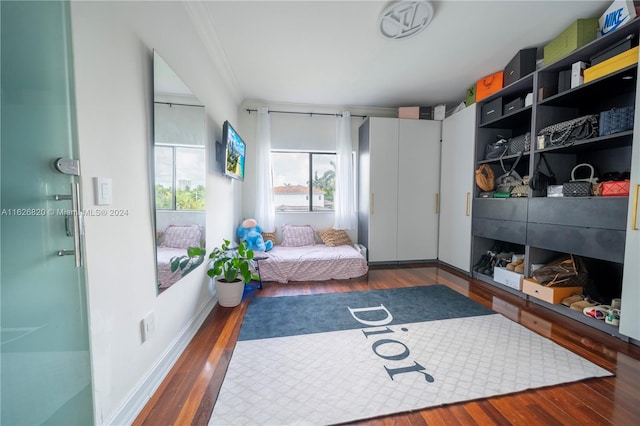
<point>265,215</point>
<point>345,200</point>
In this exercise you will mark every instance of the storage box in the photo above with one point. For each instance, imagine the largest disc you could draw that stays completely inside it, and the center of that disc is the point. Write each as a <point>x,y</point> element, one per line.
<point>409,112</point>
<point>616,188</point>
<point>616,63</point>
<point>489,85</point>
<point>507,277</point>
<point>553,295</point>
<point>439,112</point>
<point>491,111</point>
<point>619,13</point>
<point>581,32</point>
<point>564,80</point>
<point>620,47</point>
<point>512,106</point>
<point>577,73</point>
<point>522,64</point>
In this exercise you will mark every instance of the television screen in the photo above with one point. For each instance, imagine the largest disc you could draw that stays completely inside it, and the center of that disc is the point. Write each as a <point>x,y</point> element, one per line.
<point>234,152</point>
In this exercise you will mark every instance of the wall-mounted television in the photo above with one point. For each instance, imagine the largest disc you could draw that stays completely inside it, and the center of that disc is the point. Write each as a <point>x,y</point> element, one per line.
<point>234,152</point>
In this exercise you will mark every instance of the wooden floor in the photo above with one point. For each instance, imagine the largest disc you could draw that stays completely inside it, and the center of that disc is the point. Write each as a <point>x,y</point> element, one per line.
<point>189,392</point>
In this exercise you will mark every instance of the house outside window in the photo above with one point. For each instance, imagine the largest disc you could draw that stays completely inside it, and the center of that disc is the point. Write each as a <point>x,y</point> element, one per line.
<point>292,173</point>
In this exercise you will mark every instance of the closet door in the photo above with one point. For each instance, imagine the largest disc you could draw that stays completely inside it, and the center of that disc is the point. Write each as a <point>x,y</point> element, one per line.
<point>418,185</point>
<point>629,312</point>
<point>456,188</point>
<point>383,190</point>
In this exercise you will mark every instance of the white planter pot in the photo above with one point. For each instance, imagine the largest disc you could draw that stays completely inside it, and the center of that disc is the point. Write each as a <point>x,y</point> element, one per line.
<point>229,294</point>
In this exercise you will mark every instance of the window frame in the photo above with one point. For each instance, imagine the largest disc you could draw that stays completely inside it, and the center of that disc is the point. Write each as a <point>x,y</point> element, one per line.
<point>174,176</point>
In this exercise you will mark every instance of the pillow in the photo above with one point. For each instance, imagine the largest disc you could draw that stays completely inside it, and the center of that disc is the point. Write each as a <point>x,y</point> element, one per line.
<point>335,237</point>
<point>269,236</point>
<point>182,236</point>
<point>297,236</point>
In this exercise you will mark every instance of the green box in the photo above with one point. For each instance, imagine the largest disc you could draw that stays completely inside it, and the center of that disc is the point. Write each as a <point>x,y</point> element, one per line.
<point>471,95</point>
<point>581,32</point>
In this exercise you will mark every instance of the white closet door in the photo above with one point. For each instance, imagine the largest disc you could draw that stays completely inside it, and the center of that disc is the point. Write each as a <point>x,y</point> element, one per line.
<point>418,184</point>
<point>383,197</point>
<point>456,188</point>
<point>629,312</point>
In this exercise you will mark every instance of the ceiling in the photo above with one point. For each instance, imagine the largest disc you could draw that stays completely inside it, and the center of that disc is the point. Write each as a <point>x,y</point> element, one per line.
<point>331,52</point>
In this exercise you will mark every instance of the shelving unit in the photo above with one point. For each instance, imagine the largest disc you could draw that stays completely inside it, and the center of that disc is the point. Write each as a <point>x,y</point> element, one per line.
<point>546,227</point>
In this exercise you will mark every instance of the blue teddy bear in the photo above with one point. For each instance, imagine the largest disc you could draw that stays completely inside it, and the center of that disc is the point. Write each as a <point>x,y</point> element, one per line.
<point>249,232</point>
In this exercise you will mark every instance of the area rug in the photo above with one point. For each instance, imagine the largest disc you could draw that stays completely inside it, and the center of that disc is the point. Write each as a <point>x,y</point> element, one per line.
<point>334,358</point>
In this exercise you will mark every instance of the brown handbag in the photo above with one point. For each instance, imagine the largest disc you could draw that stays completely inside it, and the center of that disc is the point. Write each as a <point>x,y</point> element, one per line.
<point>485,178</point>
<point>565,271</point>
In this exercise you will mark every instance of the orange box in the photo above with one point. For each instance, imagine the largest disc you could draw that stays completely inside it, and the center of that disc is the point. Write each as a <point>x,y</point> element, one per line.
<point>489,85</point>
<point>552,295</point>
<point>616,63</point>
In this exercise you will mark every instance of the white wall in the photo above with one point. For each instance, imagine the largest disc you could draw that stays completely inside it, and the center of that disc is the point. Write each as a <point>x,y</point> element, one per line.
<point>113,46</point>
<point>297,132</point>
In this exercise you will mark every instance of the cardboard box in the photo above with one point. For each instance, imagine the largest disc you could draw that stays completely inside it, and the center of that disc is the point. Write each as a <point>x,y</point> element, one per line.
<point>581,32</point>
<point>409,112</point>
<point>553,295</point>
<point>507,277</point>
<point>619,13</point>
<point>616,63</point>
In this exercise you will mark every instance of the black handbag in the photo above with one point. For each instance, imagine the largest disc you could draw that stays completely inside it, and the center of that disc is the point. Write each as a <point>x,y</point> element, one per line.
<point>519,143</point>
<point>539,181</point>
<point>569,131</point>
<point>497,149</point>
<point>579,187</point>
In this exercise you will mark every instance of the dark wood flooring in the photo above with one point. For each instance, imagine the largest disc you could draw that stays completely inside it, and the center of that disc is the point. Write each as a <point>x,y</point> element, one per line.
<point>189,392</point>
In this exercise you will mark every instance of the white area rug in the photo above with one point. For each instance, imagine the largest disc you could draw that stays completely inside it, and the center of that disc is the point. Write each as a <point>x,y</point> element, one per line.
<point>371,371</point>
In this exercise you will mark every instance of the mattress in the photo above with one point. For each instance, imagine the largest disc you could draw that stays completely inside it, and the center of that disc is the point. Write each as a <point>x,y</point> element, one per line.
<point>165,277</point>
<point>311,263</point>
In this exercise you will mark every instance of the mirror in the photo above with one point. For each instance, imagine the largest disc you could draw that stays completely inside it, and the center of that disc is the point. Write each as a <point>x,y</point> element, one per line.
<point>178,169</point>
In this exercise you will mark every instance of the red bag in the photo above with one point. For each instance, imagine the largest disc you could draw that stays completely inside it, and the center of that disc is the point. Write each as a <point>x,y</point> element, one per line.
<point>489,85</point>
<point>616,188</point>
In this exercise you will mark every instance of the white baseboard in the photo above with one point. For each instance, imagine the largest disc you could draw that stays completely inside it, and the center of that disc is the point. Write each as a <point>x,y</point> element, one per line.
<point>127,413</point>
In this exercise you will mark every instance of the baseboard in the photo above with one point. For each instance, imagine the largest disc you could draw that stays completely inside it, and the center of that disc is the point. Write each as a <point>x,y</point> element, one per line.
<point>127,413</point>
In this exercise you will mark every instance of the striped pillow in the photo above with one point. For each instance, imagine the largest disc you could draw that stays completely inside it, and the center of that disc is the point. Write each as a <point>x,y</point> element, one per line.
<point>297,236</point>
<point>269,236</point>
<point>335,237</point>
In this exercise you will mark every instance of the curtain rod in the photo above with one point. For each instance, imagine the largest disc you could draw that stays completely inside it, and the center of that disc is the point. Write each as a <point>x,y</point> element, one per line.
<point>178,104</point>
<point>305,113</point>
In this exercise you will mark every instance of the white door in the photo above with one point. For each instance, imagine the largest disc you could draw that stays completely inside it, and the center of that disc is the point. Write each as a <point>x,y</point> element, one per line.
<point>383,197</point>
<point>418,185</point>
<point>629,312</point>
<point>456,188</point>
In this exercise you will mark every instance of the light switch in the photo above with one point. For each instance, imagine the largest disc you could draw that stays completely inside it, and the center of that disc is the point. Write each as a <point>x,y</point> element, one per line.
<point>103,191</point>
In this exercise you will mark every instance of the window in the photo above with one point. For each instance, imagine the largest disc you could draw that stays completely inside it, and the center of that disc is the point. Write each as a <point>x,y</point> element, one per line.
<point>180,177</point>
<point>292,172</point>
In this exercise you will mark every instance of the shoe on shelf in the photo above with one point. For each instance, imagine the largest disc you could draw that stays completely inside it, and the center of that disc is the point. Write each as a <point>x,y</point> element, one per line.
<point>572,299</point>
<point>511,266</point>
<point>519,268</point>
<point>582,304</point>
<point>597,312</point>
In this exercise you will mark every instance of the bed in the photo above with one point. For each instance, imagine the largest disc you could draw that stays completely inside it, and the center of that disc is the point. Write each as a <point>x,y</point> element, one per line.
<point>299,258</point>
<point>174,242</point>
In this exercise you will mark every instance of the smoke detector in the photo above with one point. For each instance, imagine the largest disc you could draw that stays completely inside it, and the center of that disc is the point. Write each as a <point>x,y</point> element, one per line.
<point>405,19</point>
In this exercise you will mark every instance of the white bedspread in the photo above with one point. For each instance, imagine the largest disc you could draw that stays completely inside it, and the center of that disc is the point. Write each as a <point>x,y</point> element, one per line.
<point>311,263</point>
<point>165,277</point>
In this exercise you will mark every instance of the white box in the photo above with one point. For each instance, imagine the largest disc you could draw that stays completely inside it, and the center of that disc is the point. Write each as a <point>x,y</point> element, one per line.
<point>528,100</point>
<point>577,73</point>
<point>507,277</point>
<point>554,191</point>
<point>439,112</point>
<point>619,13</point>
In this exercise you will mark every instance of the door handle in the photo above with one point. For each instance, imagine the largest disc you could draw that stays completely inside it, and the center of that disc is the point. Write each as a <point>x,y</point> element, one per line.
<point>437,203</point>
<point>467,212</point>
<point>634,220</point>
<point>75,228</point>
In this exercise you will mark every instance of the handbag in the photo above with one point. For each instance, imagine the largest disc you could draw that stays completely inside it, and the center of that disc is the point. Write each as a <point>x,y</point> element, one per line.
<point>569,131</point>
<point>485,178</point>
<point>579,187</point>
<point>496,149</point>
<point>519,143</point>
<point>521,190</point>
<point>565,271</point>
<point>510,179</point>
<point>539,181</point>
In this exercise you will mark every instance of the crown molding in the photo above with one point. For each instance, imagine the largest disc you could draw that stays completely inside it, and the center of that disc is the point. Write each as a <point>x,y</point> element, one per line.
<point>205,27</point>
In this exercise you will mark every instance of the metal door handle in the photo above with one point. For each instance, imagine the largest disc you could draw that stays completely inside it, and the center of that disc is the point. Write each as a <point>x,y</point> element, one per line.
<point>467,208</point>
<point>75,215</point>
<point>634,223</point>
<point>437,203</point>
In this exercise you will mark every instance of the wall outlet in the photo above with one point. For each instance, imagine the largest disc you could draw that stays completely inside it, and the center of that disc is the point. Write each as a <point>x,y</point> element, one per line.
<point>148,326</point>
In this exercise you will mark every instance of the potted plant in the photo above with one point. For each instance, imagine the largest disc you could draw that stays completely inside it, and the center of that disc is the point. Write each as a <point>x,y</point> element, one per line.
<point>229,267</point>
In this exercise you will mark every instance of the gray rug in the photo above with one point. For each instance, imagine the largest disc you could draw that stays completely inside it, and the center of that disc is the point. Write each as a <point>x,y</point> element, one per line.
<point>333,358</point>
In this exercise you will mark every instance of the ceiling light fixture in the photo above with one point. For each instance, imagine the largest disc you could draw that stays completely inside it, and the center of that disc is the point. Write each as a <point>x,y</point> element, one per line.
<point>404,19</point>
